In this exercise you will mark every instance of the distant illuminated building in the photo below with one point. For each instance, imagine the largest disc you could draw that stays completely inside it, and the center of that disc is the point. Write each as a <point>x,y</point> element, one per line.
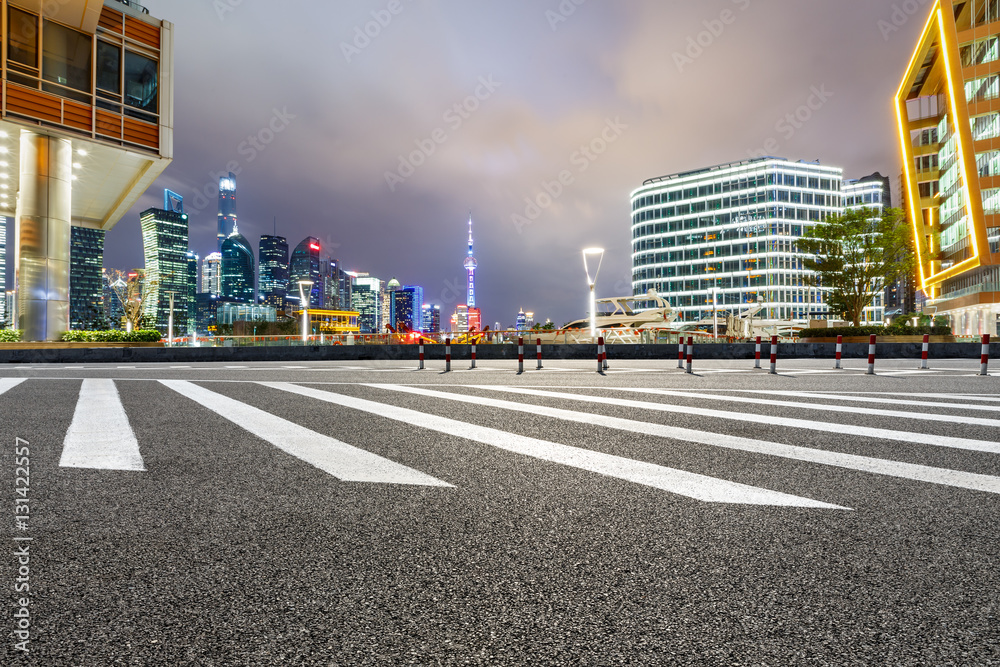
<point>521,322</point>
<point>227,209</point>
<point>366,298</point>
<point>304,265</point>
<point>386,299</point>
<point>165,246</point>
<point>211,274</point>
<point>238,268</point>
<point>469,317</point>
<point>431,318</point>
<point>407,308</point>
<point>272,285</point>
<point>86,289</point>
<point>460,319</point>
<point>192,291</point>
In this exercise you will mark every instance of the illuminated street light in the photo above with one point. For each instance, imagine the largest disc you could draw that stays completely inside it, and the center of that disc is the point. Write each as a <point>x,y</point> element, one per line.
<point>591,282</point>
<point>302,304</point>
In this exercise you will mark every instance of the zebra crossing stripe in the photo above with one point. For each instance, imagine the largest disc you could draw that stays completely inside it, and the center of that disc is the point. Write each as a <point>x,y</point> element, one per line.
<point>100,436</point>
<point>6,384</point>
<point>345,462</point>
<point>790,422</point>
<point>868,399</point>
<point>920,473</point>
<point>925,416</point>
<point>691,485</point>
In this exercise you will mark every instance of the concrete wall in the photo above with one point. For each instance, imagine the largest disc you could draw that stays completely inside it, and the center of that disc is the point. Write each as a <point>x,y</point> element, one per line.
<point>460,353</point>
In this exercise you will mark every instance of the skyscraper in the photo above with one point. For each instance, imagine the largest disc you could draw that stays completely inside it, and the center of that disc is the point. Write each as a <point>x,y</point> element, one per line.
<point>431,318</point>
<point>366,298</point>
<point>272,286</point>
<point>227,209</point>
<point>407,308</point>
<point>386,299</point>
<point>238,268</point>
<point>192,291</point>
<point>86,286</point>
<point>165,246</point>
<point>211,274</point>
<point>305,265</point>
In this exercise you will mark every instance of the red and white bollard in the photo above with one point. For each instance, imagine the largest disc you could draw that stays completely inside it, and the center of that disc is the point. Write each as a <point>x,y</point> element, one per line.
<point>538,348</point>
<point>680,352</point>
<point>520,355</point>
<point>472,351</point>
<point>923,351</point>
<point>600,355</point>
<point>984,357</point>
<point>690,353</point>
<point>756,353</point>
<point>871,355</point>
<point>447,355</point>
<point>840,352</point>
<point>420,365</point>
<point>774,356</point>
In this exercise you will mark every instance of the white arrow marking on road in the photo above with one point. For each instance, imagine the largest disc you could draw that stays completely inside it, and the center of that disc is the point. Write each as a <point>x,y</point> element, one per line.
<point>6,384</point>
<point>691,485</point>
<point>920,473</point>
<point>343,461</point>
<point>100,436</point>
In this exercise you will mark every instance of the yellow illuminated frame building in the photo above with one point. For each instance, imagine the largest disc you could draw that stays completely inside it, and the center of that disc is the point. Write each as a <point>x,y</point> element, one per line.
<point>952,57</point>
<point>332,321</point>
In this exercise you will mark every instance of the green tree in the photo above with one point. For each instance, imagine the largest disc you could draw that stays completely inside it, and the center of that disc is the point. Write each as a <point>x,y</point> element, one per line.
<point>856,255</point>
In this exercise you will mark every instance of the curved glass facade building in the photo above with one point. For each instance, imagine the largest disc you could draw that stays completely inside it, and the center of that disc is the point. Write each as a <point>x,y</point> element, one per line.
<point>237,268</point>
<point>272,286</point>
<point>304,265</point>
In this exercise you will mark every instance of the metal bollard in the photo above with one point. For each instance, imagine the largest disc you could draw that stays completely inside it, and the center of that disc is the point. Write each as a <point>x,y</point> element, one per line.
<point>680,352</point>
<point>520,355</point>
<point>420,365</point>
<point>774,355</point>
<point>923,351</point>
<point>840,352</point>
<point>984,357</point>
<point>538,346</point>
<point>690,353</point>
<point>756,354</point>
<point>447,355</point>
<point>600,355</point>
<point>473,353</point>
<point>871,355</point>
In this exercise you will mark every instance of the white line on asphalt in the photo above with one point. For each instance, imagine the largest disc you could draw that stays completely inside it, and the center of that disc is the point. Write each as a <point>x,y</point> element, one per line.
<point>925,416</point>
<point>810,424</point>
<point>867,399</point>
<point>691,485</point>
<point>126,367</point>
<point>100,436</point>
<point>911,471</point>
<point>6,384</point>
<point>343,461</point>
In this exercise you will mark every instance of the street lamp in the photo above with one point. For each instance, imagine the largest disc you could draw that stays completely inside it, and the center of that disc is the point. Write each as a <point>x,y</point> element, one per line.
<point>302,304</point>
<point>170,321</point>
<point>591,282</point>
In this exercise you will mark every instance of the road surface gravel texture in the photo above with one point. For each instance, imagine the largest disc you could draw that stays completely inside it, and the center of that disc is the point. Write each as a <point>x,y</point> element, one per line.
<point>366,513</point>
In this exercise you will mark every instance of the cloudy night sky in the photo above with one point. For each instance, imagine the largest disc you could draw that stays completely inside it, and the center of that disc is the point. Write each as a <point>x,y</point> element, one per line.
<point>621,78</point>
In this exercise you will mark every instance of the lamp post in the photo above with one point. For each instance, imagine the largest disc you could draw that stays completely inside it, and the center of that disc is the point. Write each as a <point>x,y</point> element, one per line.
<point>302,304</point>
<point>587,252</point>
<point>170,321</point>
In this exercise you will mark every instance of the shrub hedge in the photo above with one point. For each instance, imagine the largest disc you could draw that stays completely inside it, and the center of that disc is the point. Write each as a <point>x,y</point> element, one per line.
<point>10,335</point>
<point>113,336</point>
<point>878,330</point>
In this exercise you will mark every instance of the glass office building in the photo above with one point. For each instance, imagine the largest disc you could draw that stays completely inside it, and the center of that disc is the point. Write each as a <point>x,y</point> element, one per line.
<point>86,281</point>
<point>238,276</point>
<point>211,274</point>
<point>226,223</point>
<point>407,308</point>
<point>165,246</point>
<point>272,281</point>
<point>726,235</point>
<point>366,299</point>
<point>305,265</point>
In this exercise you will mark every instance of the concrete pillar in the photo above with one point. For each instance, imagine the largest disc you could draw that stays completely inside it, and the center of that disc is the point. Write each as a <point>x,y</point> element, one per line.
<point>44,209</point>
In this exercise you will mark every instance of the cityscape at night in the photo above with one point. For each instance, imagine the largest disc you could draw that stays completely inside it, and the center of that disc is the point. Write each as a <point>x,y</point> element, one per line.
<point>543,332</point>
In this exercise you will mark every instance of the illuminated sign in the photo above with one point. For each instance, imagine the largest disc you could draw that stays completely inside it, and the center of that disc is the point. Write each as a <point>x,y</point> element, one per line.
<point>313,246</point>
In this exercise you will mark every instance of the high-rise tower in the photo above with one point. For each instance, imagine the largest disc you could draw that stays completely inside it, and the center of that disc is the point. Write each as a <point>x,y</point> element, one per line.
<point>227,208</point>
<point>474,316</point>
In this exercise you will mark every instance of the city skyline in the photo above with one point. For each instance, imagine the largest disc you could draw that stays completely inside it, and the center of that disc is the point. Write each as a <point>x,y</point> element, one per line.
<point>327,177</point>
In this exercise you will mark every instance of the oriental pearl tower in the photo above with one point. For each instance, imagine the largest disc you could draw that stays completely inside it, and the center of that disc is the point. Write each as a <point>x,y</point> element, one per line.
<point>475,317</point>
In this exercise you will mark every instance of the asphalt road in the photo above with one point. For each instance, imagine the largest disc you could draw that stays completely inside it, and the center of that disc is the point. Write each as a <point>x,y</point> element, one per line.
<point>368,513</point>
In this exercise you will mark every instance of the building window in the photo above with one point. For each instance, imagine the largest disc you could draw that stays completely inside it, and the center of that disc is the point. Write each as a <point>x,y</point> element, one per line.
<point>22,39</point>
<point>141,85</point>
<point>109,75</point>
<point>66,61</point>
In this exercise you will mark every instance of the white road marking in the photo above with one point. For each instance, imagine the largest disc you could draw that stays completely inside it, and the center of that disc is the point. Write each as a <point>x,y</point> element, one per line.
<point>6,384</point>
<point>691,485</point>
<point>343,461</point>
<point>868,399</point>
<point>100,436</point>
<point>910,471</point>
<point>924,416</point>
<point>176,367</point>
<point>238,367</point>
<point>126,367</point>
